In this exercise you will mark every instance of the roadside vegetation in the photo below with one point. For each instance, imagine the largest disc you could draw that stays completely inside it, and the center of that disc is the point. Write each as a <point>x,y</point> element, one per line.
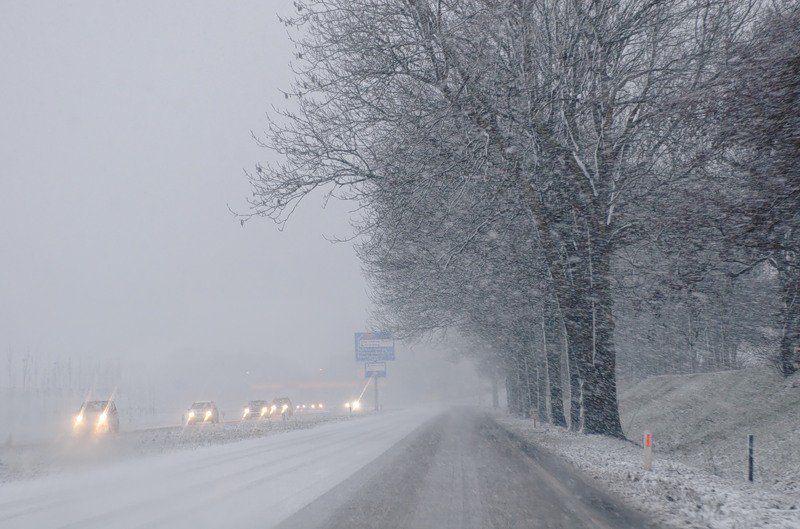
<point>580,190</point>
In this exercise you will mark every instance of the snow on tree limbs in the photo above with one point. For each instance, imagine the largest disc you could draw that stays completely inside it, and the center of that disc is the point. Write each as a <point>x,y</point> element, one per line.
<point>506,156</point>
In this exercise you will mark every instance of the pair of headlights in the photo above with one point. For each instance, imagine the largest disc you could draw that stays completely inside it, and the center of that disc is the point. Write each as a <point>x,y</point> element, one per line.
<point>100,421</point>
<point>208,414</point>
<point>264,410</point>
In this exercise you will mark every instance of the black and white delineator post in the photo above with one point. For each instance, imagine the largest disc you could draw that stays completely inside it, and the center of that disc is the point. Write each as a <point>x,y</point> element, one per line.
<point>647,443</point>
<point>750,442</point>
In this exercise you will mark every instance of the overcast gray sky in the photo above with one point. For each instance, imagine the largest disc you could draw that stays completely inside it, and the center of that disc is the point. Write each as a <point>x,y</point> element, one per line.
<point>125,131</point>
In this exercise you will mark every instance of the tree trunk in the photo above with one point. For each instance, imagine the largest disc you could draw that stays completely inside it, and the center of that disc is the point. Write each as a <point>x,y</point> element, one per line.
<point>553,360</point>
<point>789,358</point>
<point>601,406</point>
<point>575,397</point>
<point>529,374</point>
<point>511,393</point>
<point>541,394</point>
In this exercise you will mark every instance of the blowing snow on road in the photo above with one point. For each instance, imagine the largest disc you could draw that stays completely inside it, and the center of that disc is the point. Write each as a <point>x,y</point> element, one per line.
<point>389,264</point>
<point>253,483</point>
<point>421,469</point>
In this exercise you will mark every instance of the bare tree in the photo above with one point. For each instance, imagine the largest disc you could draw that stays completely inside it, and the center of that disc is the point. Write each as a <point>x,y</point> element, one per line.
<point>556,122</point>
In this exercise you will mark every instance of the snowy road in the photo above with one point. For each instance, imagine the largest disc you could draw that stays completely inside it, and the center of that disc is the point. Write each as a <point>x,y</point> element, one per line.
<point>465,472</point>
<point>253,483</point>
<point>416,469</point>
<point>65,452</point>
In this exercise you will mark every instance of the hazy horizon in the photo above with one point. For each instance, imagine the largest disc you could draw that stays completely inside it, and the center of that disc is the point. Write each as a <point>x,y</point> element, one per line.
<point>123,152</point>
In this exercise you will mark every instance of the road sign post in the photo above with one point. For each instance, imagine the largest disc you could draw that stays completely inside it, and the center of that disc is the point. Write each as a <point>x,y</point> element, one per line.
<point>375,349</point>
<point>750,443</point>
<point>374,371</point>
<point>377,402</point>
<point>648,451</point>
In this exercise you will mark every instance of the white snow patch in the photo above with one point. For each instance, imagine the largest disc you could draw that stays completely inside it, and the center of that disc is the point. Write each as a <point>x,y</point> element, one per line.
<point>673,494</point>
<point>699,425</point>
<point>703,420</point>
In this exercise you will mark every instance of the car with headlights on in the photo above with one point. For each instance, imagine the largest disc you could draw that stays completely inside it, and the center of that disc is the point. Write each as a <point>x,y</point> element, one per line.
<point>282,406</point>
<point>202,412</point>
<point>96,416</point>
<point>256,409</point>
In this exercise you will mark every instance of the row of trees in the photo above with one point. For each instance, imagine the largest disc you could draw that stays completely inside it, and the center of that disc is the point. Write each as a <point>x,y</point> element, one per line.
<point>524,166</point>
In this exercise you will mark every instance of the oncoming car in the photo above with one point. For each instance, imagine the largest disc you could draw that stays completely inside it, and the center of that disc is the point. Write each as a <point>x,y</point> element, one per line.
<point>282,406</point>
<point>256,409</point>
<point>202,412</point>
<point>96,416</point>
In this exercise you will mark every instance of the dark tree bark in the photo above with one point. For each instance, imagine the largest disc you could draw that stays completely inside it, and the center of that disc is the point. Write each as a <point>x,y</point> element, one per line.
<point>512,393</point>
<point>602,409</point>
<point>574,397</point>
<point>552,353</point>
<point>541,394</point>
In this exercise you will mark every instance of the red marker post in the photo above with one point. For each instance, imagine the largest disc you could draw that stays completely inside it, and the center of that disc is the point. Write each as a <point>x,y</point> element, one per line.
<point>647,442</point>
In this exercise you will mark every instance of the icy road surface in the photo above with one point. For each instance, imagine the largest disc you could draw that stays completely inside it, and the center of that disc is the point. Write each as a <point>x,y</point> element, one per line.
<point>414,469</point>
<point>463,471</point>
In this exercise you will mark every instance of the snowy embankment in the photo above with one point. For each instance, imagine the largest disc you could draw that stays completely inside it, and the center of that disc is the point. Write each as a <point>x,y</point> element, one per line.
<point>65,452</point>
<point>703,420</point>
<point>699,425</point>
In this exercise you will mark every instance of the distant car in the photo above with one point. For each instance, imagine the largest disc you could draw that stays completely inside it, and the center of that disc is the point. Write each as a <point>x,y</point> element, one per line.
<point>202,412</point>
<point>282,406</point>
<point>256,409</point>
<point>96,416</point>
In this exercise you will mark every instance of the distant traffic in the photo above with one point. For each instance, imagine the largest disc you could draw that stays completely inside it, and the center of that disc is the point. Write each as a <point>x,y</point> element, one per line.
<point>101,417</point>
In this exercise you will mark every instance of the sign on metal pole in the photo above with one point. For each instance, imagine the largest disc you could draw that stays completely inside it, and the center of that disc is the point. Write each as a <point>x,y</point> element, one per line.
<point>375,369</point>
<point>648,451</point>
<point>374,346</point>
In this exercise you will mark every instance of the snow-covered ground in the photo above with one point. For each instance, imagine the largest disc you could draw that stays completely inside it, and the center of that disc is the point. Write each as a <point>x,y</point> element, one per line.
<point>251,483</point>
<point>673,493</point>
<point>699,425</point>
<point>64,452</point>
<point>703,420</point>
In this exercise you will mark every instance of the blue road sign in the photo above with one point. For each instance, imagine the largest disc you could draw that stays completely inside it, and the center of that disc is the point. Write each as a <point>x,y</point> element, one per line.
<point>375,369</point>
<point>374,347</point>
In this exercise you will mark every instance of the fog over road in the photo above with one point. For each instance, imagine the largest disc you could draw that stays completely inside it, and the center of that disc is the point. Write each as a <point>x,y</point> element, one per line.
<point>415,468</point>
